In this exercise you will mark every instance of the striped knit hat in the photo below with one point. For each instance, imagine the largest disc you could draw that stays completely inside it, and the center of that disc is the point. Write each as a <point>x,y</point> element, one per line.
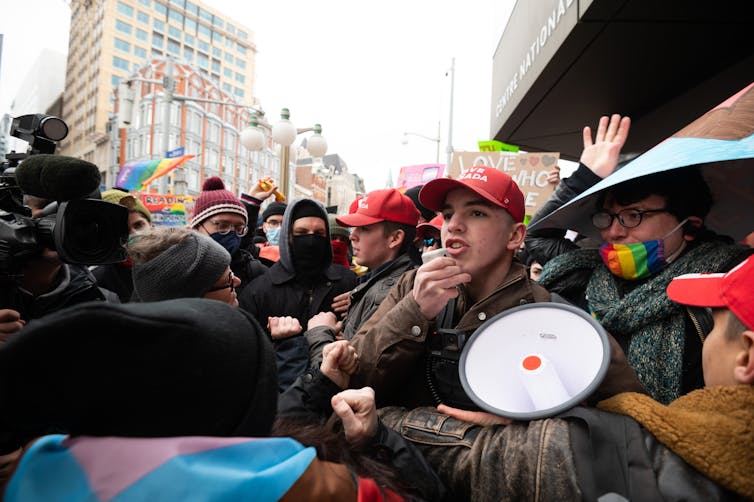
<point>215,199</point>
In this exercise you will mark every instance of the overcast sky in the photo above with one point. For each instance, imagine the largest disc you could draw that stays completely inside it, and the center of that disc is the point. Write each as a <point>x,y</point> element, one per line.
<point>367,71</point>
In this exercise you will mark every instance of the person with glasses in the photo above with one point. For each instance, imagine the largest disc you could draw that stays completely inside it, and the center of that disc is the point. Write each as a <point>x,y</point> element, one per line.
<point>175,262</point>
<point>652,229</point>
<point>223,217</point>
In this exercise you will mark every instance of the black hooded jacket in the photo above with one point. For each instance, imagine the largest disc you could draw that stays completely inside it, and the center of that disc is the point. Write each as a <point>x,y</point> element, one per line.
<point>281,292</point>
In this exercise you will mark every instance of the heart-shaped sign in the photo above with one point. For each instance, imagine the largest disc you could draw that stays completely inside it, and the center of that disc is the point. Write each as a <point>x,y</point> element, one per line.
<point>549,160</point>
<point>534,160</point>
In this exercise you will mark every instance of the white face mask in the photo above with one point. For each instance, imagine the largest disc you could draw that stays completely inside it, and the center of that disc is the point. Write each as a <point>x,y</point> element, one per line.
<point>273,236</point>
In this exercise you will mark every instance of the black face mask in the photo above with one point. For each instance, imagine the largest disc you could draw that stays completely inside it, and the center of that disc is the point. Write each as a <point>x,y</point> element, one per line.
<point>310,254</point>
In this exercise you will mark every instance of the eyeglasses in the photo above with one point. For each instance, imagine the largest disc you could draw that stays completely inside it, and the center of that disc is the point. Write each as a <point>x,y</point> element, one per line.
<point>223,227</point>
<point>628,218</point>
<point>273,223</point>
<point>231,284</point>
<point>430,241</point>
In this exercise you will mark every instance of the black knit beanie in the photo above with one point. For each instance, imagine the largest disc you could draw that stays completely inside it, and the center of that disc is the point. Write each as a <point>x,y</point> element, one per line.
<point>174,368</point>
<point>274,208</point>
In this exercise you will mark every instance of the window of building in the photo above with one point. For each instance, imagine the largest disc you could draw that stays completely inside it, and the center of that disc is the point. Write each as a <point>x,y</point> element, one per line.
<point>217,38</point>
<point>140,52</point>
<point>238,92</point>
<point>122,27</point>
<point>203,30</point>
<point>242,35</point>
<point>231,29</point>
<point>142,17</point>
<point>216,66</point>
<point>229,58</point>
<point>158,25</point>
<point>177,3</point>
<point>191,8</point>
<point>188,39</point>
<point>157,40</point>
<point>202,61</point>
<point>241,49</point>
<point>120,63</point>
<point>148,3</point>
<point>155,52</point>
<point>125,9</point>
<point>188,55</point>
<point>142,35</point>
<point>229,43</point>
<point>240,78</point>
<point>203,14</point>
<point>216,77</point>
<point>122,46</point>
<point>241,63</point>
<point>174,32</point>
<point>135,67</point>
<point>218,22</point>
<point>115,80</point>
<point>217,52</point>
<point>160,8</point>
<point>203,46</point>
<point>174,48</point>
<point>228,72</point>
<point>176,16</point>
<point>189,25</point>
<point>227,87</point>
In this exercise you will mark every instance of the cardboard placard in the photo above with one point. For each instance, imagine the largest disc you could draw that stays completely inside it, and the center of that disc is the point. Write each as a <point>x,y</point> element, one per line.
<point>528,170</point>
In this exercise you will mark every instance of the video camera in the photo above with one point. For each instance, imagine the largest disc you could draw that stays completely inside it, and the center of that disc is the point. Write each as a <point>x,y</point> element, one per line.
<point>81,227</point>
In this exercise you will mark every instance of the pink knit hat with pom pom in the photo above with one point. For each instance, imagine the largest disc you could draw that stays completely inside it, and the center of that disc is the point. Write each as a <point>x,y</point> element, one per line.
<point>215,199</point>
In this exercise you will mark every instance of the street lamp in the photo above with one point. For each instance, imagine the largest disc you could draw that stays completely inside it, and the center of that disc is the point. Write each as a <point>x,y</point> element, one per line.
<point>436,140</point>
<point>283,133</point>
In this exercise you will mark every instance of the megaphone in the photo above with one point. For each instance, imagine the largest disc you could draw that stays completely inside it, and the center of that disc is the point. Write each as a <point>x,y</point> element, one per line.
<point>534,361</point>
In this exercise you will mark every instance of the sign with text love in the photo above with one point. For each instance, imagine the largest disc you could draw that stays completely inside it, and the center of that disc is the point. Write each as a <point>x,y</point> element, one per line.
<point>529,170</point>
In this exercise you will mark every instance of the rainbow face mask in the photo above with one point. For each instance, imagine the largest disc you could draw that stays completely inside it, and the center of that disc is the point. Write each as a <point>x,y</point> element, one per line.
<point>637,260</point>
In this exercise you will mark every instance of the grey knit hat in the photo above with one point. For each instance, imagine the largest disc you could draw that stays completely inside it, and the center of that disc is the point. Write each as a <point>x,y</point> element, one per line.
<point>187,269</point>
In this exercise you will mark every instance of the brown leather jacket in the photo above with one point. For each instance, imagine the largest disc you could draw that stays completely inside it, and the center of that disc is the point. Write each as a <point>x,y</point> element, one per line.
<point>391,344</point>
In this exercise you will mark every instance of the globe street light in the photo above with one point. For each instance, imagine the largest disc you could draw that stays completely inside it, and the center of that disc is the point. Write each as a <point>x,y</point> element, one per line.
<point>404,140</point>
<point>283,133</point>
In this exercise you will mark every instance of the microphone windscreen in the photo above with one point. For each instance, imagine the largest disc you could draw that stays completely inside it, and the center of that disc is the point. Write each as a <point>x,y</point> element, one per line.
<point>57,177</point>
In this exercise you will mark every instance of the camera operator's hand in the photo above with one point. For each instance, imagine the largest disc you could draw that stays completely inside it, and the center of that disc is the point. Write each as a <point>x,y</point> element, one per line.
<point>475,417</point>
<point>283,327</point>
<point>435,284</point>
<point>10,323</point>
<point>358,412</point>
<point>339,362</point>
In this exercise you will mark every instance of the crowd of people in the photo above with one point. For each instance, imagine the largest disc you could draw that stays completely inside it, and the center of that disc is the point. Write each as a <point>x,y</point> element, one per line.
<point>315,334</point>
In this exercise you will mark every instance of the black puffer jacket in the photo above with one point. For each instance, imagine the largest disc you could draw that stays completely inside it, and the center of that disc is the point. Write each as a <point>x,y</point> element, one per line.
<point>280,293</point>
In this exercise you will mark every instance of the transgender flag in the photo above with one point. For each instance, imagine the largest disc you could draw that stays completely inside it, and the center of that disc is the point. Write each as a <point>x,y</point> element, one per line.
<point>217,469</point>
<point>140,173</point>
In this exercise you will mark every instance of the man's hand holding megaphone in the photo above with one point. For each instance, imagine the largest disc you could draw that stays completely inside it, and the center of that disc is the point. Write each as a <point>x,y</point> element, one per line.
<point>436,283</point>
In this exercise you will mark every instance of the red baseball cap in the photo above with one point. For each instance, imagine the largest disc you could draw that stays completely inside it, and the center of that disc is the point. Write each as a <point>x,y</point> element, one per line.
<point>733,290</point>
<point>492,184</point>
<point>382,205</point>
<point>422,228</point>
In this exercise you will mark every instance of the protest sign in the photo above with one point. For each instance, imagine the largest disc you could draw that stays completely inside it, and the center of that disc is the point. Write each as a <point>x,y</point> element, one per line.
<point>167,209</point>
<point>529,170</point>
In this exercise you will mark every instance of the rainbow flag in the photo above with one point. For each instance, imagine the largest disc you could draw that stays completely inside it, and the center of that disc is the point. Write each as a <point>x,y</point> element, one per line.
<point>140,173</point>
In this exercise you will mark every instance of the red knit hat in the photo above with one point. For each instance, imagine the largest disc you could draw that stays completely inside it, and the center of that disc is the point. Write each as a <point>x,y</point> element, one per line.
<point>381,205</point>
<point>215,199</point>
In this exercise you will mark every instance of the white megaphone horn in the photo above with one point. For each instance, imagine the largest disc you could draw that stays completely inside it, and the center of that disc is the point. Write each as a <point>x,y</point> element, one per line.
<point>534,361</point>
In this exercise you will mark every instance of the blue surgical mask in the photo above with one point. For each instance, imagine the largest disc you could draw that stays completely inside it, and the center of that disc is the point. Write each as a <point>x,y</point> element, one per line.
<point>230,241</point>
<point>273,236</point>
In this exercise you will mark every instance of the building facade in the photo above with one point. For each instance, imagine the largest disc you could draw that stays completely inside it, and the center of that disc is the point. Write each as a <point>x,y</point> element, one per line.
<point>209,130</point>
<point>110,40</point>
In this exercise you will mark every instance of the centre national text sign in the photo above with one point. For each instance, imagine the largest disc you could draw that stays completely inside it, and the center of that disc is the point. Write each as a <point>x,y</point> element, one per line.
<point>528,170</point>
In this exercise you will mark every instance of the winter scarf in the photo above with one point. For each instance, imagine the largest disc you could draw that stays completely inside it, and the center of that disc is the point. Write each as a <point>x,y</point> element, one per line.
<point>709,428</point>
<point>654,323</point>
